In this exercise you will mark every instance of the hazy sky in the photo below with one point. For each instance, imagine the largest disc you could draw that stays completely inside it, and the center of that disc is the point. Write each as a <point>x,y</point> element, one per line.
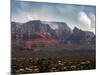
<point>81,16</point>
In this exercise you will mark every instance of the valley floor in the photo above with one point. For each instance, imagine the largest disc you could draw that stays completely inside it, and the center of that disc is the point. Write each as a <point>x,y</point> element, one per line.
<point>54,62</point>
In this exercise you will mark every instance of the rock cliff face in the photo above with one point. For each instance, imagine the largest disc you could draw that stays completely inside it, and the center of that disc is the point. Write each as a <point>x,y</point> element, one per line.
<point>38,32</point>
<point>81,37</point>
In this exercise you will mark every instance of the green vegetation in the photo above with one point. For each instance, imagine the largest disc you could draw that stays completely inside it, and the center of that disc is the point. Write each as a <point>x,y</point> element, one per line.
<point>31,65</point>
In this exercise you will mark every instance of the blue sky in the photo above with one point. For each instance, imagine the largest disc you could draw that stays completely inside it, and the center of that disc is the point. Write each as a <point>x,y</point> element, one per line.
<point>81,16</point>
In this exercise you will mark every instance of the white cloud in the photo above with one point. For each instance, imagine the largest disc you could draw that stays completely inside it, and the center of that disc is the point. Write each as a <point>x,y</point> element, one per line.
<point>93,30</point>
<point>86,21</point>
<point>93,20</point>
<point>83,19</point>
